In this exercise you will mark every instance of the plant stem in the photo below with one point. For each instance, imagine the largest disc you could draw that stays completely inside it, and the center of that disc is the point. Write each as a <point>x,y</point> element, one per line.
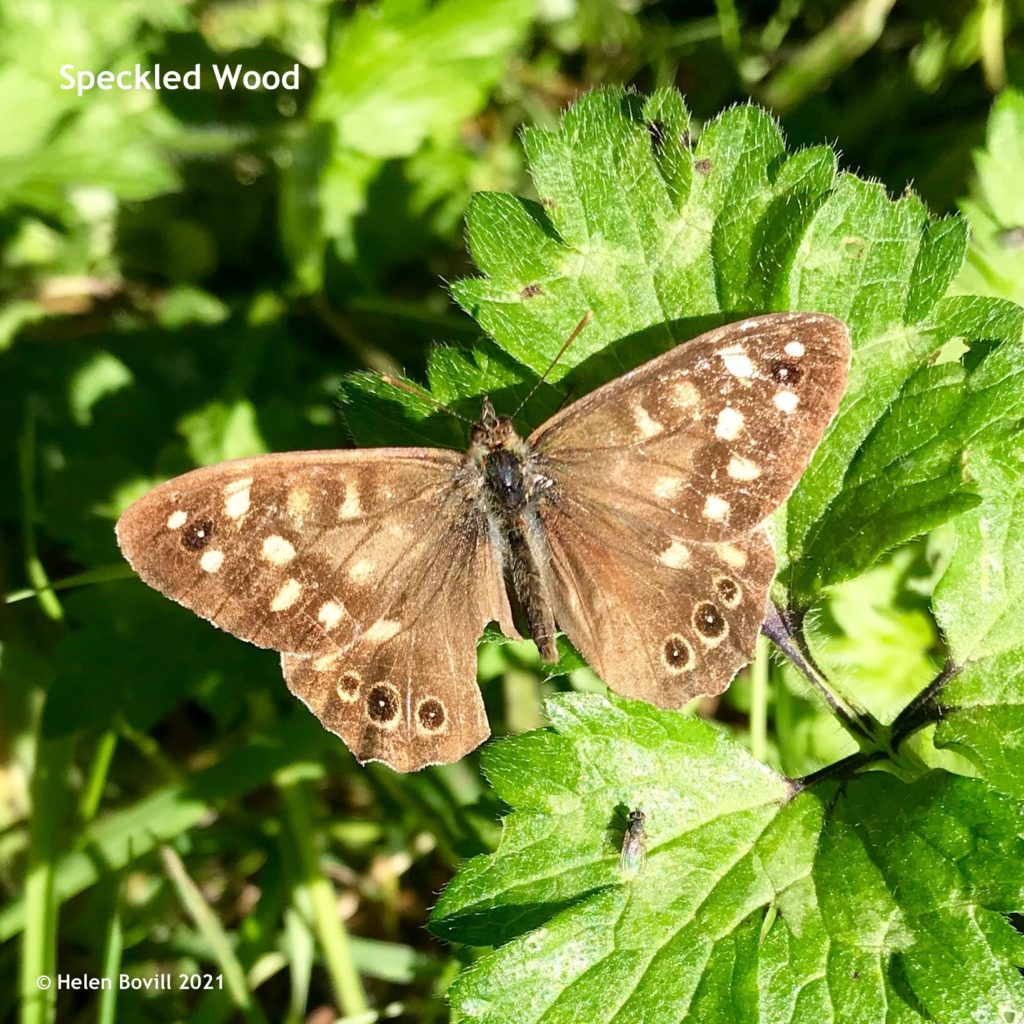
<point>333,936</point>
<point>759,700</point>
<point>922,708</point>
<point>790,641</point>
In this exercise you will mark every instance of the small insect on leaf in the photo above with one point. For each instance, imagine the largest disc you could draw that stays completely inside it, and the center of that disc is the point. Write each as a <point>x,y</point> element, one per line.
<point>634,845</point>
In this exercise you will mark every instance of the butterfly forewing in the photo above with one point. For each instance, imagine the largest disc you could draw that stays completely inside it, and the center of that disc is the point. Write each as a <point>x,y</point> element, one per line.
<point>708,439</point>
<point>338,556</point>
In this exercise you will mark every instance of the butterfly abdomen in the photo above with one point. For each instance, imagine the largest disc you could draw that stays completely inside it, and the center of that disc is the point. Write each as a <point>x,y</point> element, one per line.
<point>514,521</point>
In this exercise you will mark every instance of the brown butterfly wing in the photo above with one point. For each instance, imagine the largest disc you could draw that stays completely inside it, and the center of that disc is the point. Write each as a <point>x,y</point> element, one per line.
<point>708,439</point>
<point>405,692</point>
<point>337,555</point>
<point>659,569</point>
<point>657,618</point>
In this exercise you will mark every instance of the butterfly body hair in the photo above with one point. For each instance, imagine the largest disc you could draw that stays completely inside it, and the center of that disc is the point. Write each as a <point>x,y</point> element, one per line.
<point>510,485</point>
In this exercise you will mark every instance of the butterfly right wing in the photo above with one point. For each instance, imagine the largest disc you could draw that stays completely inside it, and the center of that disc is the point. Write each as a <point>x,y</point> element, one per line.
<point>711,437</point>
<point>404,692</point>
<point>360,560</point>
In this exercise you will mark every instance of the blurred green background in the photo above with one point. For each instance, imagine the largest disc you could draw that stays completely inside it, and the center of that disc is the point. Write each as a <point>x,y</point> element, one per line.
<point>186,277</point>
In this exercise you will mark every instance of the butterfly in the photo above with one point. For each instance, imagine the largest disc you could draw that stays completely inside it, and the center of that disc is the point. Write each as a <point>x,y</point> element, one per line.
<point>632,519</point>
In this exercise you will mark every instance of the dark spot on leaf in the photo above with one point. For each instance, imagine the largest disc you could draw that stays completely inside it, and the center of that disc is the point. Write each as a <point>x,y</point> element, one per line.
<point>431,714</point>
<point>728,588</point>
<point>702,166</point>
<point>685,138</point>
<point>547,202</point>
<point>382,704</point>
<point>656,129</point>
<point>677,652</point>
<point>785,373</point>
<point>708,621</point>
<point>197,535</point>
<point>530,290</point>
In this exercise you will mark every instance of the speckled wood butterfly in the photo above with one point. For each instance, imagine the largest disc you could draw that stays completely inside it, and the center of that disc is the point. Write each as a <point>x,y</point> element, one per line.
<point>632,519</point>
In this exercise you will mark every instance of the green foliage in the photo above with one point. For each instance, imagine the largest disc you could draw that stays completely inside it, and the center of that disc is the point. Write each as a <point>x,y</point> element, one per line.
<point>995,209</point>
<point>856,901</point>
<point>763,900</point>
<point>189,277</point>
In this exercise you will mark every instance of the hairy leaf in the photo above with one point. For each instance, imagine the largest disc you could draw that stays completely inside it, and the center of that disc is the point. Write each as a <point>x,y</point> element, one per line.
<point>758,902</point>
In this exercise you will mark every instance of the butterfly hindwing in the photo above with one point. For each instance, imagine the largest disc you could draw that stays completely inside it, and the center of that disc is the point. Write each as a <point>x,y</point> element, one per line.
<point>711,436</point>
<point>660,619</point>
<point>405,691</point>
<point>362,561</point>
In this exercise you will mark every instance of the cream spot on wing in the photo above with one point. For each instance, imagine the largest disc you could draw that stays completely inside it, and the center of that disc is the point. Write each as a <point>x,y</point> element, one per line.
<point>685,395</point>
<point>361,571</point>
<point>738,364</point>
<point>286,596</point>
<point>330,614</point>
<point>277,550</point>
<point>646,424</point>
<point>350,507</point>
<point>731,555</point>
<point>675,556</point>
<point>211,560</point>
<point>176,520</point>
<point>729,425</point>
<point>348,685</point>
<point>326,661</point>
<point>716,507</point>
<point>381,630</point>
<point>740,468</point>
<point>786,401</point>
<point>236,498</point>
<point>795,348</point>
<point>298,503</point>
<point>667,486</point>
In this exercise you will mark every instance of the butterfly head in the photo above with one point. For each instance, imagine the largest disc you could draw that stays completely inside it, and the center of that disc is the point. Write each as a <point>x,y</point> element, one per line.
<point>492,431</point>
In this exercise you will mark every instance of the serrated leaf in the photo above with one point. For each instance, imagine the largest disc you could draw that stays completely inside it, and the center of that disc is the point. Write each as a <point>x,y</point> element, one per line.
<point>403,70</point>
<point>979,602</point>
<point>756,904</point>
<point>909,476</point>
<point>661,241</point>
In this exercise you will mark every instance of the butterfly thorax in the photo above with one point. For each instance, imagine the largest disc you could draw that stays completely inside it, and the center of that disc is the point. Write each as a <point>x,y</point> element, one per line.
<point>510,489</point>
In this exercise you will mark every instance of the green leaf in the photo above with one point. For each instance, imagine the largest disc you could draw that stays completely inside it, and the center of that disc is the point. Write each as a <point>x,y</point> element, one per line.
<point>758,902</point>
<point>979,603</point>
<point>908,476</point>
<point>405,70</point>
<point>399,74</point>
<point>661,241</point>
<point>995,210</point>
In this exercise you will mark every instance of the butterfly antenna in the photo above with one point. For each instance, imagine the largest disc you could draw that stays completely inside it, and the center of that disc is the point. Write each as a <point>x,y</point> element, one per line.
<point>422,394</point>
<point>577,330</point>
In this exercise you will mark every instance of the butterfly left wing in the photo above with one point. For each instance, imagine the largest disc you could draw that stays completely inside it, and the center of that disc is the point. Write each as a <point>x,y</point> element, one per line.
<point>709,438</point>
<point>657,485</point>
<point>352,563</point>
<point>658,618</point>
